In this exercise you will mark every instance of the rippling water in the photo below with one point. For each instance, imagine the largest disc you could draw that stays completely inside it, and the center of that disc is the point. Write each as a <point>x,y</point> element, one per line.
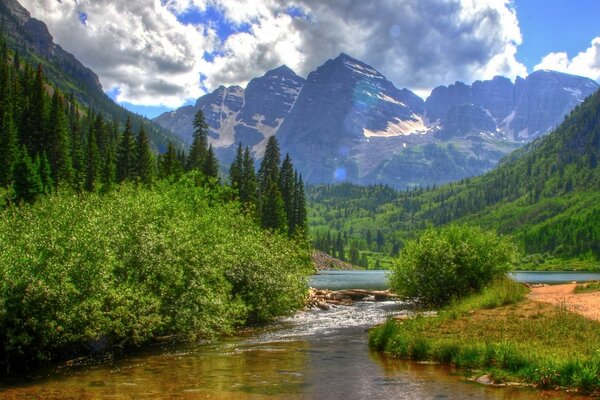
<point>312,355</point>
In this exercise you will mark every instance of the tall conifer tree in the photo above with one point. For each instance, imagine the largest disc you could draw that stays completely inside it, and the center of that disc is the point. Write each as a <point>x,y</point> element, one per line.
<point>170,166</point>
<point>199,149</point>
<point>287,186</point>
<point>248,194</point>
<point>145,159</point>
<point>58,147</point>
<point>236,171</point>
<point>27,182</point>
<point>92,162</point>
<point>126,155</point>
<point>211,164</point>
<point>271,205</point>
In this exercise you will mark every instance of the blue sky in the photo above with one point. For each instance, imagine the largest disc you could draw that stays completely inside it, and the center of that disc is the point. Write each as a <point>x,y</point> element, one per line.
<point>162,55</point>
<point>556,25</point>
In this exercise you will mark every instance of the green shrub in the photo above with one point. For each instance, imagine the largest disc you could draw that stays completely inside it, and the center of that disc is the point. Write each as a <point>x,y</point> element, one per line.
<point>451,262</point>
<point>137,263</point>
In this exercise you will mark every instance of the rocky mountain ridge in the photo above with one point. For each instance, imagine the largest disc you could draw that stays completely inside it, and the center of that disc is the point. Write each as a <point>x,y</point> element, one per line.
<point>347,122</point>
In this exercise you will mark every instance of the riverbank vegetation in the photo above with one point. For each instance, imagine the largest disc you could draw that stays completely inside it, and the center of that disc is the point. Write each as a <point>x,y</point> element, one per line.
<point>123,267</point>
<point>106,244</point>
<point>499,333</point>
<point>588,287</point>
<point>451,262</point>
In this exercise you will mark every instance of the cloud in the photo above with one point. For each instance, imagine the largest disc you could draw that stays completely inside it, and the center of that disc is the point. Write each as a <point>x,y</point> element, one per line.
<point>138,47</point>
<point>152,57</point>
<point>417,44</point>
<point>586,63</point>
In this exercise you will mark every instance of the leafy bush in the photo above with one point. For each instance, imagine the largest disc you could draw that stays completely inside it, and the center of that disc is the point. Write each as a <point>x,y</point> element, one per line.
<point>451,262</point>
<point>137,263</point>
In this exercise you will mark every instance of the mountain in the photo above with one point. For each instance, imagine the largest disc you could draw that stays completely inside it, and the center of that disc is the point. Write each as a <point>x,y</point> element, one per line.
<point>520,111</point>
<point>347,123</point>
<point>545,194</point>
<point>33,42</point>
<point>234,114</point>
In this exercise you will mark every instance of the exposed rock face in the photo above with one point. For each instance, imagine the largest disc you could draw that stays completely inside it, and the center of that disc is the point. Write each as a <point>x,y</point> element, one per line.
<point>32,35</point>
<point>347,122</point>
<point>234,114</point>
<point>343,103</point>
<point>521,111</point>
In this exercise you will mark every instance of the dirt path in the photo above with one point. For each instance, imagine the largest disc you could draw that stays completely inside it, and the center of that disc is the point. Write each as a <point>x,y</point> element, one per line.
<point>586,304</point>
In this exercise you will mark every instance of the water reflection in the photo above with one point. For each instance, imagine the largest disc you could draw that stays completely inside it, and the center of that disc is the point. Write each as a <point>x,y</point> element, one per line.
<point>313,355</point>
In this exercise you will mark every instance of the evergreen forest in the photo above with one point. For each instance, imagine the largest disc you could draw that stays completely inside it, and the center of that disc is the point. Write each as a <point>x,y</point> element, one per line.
<point>546,195</point>
<point>106,244</point>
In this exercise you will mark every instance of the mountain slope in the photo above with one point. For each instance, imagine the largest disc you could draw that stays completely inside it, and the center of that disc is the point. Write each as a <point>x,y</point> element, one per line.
<point>547,195</point>
<point>234,114</point>
<point>348,123</point>
<point>522,111</point>
<point>32,40</point>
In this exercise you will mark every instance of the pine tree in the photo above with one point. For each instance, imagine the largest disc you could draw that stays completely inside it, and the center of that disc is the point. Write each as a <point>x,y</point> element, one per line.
<point>269,167</point>
<point>101,135</point>
<point>45,171</point>
<point>9,150</point>
<point>271,205</point>
<point>248,192</point>
<point>272,213</point>
<point>77,154</point>
<point>210,168</point>
<point>145,159</point>
<point>126,155</point>
<point>109,170</point>
<point>92,162</point>
<point>198,151</point>
<point>27,183</point>
<point>58,147</point>
<point>170,166</point>
<point>34,126</point>
<point>287,186</point>
<point>300,225</point>
<point>236,171</point>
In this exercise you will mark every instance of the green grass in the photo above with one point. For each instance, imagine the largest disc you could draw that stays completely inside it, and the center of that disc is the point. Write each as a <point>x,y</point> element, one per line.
<point>588,287</point>
<point>501,334</point>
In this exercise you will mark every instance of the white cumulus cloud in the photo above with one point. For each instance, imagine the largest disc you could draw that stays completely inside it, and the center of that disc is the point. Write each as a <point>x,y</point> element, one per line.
<point>144,50</point>
<point>586,63</point>
<point>136,47</point>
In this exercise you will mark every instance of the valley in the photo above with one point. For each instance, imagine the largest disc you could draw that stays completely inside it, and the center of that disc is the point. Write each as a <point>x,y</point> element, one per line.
<point>302,218</point>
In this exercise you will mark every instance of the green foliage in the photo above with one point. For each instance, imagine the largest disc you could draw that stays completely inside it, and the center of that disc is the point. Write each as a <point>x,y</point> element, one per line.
<point>449,263</point>
<point>135,263</point>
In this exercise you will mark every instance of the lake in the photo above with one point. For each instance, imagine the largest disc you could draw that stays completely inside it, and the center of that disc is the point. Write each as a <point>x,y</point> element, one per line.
<point>376,279</point>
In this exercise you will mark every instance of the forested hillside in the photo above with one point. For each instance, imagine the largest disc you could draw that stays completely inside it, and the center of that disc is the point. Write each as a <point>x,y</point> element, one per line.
<point>104,244</point>
<point>546,195</point>
<point>30,39</point>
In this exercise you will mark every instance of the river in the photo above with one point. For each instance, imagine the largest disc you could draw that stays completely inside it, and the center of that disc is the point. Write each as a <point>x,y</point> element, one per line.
<point>311,355</point>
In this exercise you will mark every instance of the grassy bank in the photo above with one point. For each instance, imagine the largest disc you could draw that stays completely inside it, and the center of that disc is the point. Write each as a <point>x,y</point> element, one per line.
<point>588,287</point>
<point>125,267</point>
<point>501,334</point>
